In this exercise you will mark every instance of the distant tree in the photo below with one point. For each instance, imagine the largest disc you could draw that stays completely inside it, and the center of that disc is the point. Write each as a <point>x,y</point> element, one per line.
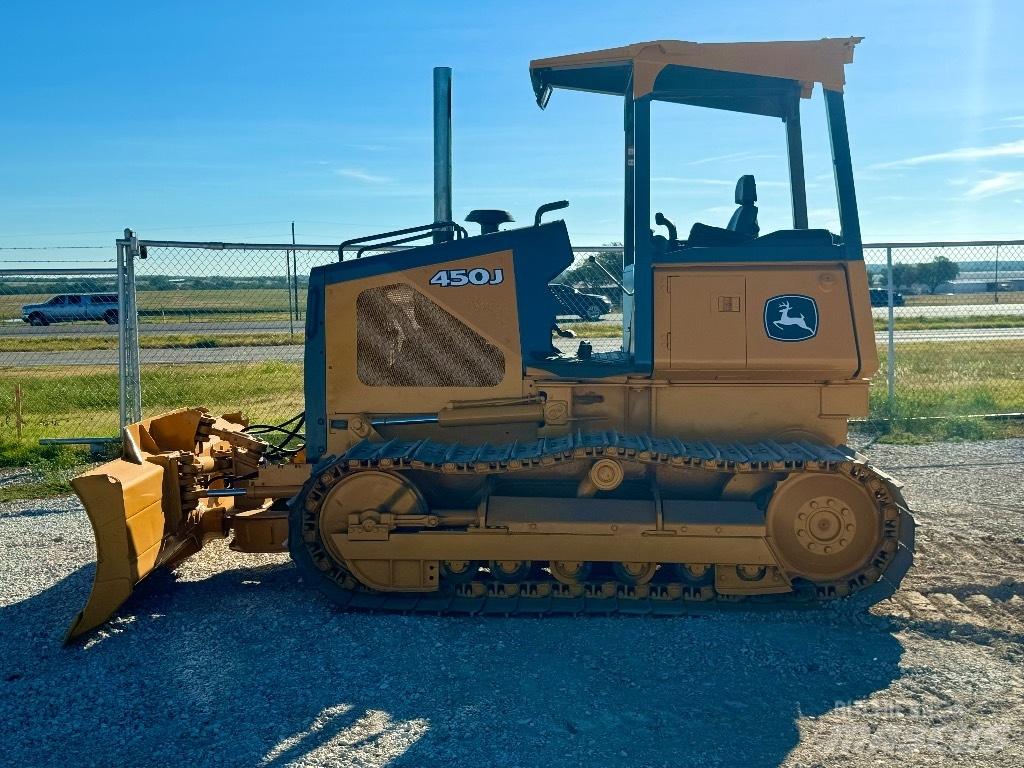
<point>905,275</point>
<point>585,272</point>
<point>940,270</point>
<point>160,283</point>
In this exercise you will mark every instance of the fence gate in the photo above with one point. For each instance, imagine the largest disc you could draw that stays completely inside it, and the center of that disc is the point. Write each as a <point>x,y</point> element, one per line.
<point>949,322</point>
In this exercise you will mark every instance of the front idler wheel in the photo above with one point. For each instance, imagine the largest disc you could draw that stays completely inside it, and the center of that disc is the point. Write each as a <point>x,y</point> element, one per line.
<point>823,527</point>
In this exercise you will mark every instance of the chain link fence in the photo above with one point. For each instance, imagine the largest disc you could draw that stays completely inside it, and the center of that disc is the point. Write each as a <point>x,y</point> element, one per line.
<point>222,325</point>
<point>949,321</point>
<point>588,302</point>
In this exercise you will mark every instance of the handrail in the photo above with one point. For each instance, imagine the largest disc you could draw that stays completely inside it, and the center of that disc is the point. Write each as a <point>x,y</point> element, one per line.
<point>390,244</point>
<point>423,230</point>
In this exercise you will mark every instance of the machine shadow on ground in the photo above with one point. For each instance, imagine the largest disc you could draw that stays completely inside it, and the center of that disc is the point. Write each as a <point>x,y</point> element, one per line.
<point>249,667</point>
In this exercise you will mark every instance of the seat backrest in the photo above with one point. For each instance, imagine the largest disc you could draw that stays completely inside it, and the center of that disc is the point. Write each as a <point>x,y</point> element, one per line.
<point>744,220</point>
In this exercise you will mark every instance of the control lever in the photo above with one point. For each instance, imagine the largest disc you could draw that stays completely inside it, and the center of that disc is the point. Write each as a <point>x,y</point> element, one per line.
<point>547,208</point>
<point>661,221</point>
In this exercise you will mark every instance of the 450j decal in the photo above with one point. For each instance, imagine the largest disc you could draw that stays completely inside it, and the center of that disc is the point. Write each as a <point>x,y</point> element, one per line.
<point>475,276</point>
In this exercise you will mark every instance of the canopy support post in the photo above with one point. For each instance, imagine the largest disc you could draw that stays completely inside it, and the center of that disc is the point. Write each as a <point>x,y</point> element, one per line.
<point>643,278</point>
<point>843,164</point>
<point>797,180</point>
<point>628,257</point>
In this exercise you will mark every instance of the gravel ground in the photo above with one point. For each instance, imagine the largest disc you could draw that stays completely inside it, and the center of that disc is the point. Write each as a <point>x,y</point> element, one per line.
<point>234,663</point>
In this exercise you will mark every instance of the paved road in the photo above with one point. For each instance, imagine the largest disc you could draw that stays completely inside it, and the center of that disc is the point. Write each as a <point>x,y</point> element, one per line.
<point>293,352</point>
<point>951,310</point>
<point>18,328</point>
<point>952,334</point>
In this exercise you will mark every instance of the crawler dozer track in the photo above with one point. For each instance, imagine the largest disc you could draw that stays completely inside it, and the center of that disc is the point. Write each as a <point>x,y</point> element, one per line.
<point>815,522</point>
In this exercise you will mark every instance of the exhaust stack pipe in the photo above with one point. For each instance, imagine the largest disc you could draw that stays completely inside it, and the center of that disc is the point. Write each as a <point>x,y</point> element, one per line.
<point>442,150</point>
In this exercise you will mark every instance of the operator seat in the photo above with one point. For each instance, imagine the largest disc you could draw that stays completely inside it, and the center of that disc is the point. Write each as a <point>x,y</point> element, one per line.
<point>744,220</point>
<point>742,227</point>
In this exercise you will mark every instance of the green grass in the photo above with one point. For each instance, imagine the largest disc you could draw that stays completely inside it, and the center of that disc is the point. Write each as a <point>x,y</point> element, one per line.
<point>946,382</point>
<point>51,468</point>
<point>945,430</point>
<point>940,379</point>
<point>86,404</point>
<point>588,330</point>
<point>56,404</point>
<point>953,379</point>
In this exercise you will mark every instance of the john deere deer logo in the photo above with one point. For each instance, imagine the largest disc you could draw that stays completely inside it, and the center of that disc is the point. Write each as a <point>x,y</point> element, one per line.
<point>790,318</point>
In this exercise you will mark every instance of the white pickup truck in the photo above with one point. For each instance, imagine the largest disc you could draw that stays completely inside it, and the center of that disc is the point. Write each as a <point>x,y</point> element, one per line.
<point>67,307</point>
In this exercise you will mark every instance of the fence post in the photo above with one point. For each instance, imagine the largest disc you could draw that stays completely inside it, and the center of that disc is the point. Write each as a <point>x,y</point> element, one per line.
<point>130,380</point>
<point>133,334</point>
<point>295,275</point>
<point>288,290</point>
<point>891,351</point>
<point>997,273</point>
<point>122,362</point>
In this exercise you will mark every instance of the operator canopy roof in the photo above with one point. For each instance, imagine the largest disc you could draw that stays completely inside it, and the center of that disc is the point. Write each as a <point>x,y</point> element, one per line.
<point>758,78</point>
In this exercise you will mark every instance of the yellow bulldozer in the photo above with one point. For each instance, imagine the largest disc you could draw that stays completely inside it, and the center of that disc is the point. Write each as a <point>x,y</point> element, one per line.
<point>454,459</point>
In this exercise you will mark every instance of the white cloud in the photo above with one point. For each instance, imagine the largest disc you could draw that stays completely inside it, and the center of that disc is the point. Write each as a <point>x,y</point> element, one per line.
<point>359,175</point>
<point>1007,149</point>
<point>1014,121</point>
<point>1008,181</point>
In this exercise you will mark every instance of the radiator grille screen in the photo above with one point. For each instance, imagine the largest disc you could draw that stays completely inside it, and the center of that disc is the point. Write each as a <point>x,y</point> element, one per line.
<point>406,340</point>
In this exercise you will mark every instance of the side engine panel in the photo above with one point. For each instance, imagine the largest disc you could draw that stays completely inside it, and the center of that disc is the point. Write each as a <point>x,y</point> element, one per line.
<point>763,322</point>
<point>398,340</point>
<point>412,332</point>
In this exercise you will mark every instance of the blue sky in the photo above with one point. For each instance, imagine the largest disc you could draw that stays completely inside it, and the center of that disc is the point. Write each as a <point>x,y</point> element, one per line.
<point>229,120</point>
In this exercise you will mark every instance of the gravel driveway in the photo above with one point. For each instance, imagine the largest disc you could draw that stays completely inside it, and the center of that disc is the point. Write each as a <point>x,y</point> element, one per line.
<point>235,663</point>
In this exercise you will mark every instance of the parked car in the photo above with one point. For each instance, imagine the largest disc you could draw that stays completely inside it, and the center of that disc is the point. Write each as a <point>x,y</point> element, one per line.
<point>68,307</point>
<point>588,306</point>
<point>880,298</point>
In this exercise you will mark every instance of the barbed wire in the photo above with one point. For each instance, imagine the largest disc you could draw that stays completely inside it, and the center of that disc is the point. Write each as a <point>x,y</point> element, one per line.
<point>53,247</point>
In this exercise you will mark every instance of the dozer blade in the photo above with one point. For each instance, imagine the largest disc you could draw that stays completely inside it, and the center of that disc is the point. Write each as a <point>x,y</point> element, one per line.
<point>123,502</point>
<point>144,508</point>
